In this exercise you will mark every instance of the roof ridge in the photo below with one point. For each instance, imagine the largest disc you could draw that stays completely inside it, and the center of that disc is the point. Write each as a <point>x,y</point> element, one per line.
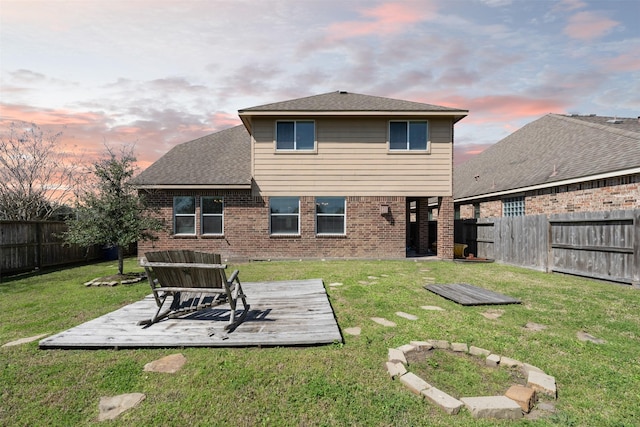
<point>622,132</point>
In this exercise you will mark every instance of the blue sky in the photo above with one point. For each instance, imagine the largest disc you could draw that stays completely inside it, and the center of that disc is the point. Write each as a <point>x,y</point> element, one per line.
<point>158,73</point>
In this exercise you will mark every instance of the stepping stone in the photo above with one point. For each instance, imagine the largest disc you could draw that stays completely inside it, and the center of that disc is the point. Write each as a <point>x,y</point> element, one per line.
<point>432,307</point>
<point>24,340</point>
<point>353,331</point>
<point>168,365</point>
<point>535,327</point>
<point>112,406</point>
<point>406,315</point>
<point>333,285</point>
<point>583,336</point>
<point>493,314</point>
<point>372,277</point>
<point>383,322</point>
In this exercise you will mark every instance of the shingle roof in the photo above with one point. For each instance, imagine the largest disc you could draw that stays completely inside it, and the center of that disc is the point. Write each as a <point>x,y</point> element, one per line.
<point>342,101</point>
<point>219,159</point>
<point>551,149</point>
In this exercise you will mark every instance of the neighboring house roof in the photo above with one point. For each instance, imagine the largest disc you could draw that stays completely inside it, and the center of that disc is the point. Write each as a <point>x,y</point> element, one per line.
<point>219,160</point>
<point>553,150</point>
<point>347,103</point>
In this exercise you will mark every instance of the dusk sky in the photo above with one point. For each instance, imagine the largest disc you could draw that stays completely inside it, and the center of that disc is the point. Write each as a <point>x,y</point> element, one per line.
<point>162,72</point>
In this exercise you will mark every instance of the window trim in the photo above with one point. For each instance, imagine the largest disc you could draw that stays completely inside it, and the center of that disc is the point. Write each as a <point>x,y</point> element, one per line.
<point>271,233</point>
<point>193,215</point>
<point>295,149</point>
<point>408,149</point>
<point>203,215</point>
<point>343,215</point>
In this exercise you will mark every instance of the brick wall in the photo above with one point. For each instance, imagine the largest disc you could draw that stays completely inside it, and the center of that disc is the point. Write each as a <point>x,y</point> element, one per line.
<point>246,229</point>
<point>593,196</point>
<point>445,227</point>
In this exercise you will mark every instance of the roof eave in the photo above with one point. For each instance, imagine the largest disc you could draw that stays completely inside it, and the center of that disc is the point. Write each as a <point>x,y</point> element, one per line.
<point>457,114</point>
<point>568,181</point>
<point>192,186</point>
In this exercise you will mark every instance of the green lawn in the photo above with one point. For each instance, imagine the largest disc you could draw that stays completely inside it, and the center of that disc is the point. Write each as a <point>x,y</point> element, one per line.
<point>339,384</point>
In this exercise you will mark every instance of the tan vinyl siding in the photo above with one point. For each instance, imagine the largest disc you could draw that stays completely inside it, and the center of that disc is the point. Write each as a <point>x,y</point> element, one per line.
<point>352,158</point>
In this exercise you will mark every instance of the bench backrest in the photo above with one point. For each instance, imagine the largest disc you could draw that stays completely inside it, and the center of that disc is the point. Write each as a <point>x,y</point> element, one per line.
<point>187,277</point>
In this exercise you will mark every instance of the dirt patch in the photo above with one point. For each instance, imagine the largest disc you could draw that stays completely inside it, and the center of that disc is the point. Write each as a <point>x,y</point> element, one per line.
<point>461,374</point>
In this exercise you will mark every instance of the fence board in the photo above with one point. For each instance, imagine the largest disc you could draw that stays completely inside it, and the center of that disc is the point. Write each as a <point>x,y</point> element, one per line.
<point>28,245</point>
<point>601,245</point>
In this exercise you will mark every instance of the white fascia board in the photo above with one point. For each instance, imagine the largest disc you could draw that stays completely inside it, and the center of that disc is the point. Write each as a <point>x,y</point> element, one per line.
<point>461,113</point>
<point>551,184</point>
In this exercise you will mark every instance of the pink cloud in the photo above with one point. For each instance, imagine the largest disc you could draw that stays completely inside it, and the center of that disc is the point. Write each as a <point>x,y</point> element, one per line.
<point>624,63</point>
<point>588,26</point>
<point>462,153</point>
<point>387,18</point>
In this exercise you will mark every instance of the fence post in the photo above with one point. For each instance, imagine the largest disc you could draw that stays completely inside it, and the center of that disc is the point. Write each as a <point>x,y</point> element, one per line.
<point>636,249</point>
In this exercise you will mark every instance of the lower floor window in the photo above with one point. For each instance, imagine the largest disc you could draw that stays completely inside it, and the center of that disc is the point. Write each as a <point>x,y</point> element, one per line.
<point>212,215</point>
<point>330,215</point>
<point>184,215</point>
<point>513,206</point>
<point>284,215</point>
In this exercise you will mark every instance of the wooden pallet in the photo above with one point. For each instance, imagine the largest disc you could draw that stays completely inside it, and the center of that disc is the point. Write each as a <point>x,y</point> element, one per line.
<point>465,294</point>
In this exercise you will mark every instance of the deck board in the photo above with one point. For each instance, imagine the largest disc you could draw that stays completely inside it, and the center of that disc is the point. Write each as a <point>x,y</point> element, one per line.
<point>466,294</point>
<point>283,313</point>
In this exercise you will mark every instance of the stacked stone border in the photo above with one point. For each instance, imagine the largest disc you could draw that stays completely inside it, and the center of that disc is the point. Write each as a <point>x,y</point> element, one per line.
<point>512,405</point>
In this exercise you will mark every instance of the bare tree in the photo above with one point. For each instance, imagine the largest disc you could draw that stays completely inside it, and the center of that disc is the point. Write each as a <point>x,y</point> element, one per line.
<point>36,177</point>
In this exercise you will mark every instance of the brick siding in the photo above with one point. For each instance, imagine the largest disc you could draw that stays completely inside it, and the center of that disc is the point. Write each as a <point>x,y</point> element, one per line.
<point>445,227</point>
<point>592,196</point>
<point>246,229</point>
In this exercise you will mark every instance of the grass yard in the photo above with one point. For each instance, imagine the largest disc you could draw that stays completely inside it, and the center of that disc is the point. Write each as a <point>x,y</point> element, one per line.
<point>340,384</point>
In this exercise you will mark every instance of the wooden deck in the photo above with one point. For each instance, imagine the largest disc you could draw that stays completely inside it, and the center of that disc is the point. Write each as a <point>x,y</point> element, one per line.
<point>466,294</point>
<point>283,313</point>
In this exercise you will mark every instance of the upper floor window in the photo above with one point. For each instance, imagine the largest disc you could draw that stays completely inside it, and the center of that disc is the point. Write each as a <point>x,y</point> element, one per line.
<point>330,215</point>
<point>212,215</point>
<point>284,215</point>
<point>408,135</point>
<point>295,135</point>
<point>184,215</point>
<point>513,206</point>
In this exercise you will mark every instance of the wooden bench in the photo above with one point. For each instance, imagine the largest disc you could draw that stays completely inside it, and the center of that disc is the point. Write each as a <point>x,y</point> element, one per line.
<point>195,281</point>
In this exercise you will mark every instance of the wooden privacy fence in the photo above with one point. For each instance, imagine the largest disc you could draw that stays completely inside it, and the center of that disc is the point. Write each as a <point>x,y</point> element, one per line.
<point>601,245</point>
<point>28,245</point>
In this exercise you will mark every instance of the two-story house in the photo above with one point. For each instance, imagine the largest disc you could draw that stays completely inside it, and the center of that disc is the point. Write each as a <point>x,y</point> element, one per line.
<point>325,176</point>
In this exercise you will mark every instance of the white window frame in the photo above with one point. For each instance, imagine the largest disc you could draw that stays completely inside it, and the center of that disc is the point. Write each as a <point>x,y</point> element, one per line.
<point>513,206</point>
<point>408,148</point>
<point>271,215</point>
<point>343,215</point>
<point>203,215</point>
<point>182,215</point>
<point>295,148</point>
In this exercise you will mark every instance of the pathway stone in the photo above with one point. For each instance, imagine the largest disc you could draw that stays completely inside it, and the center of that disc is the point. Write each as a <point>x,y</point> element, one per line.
<point>112,406</point>
<point>335,284</point>
<point>493,314</point>
<point>583,336</point>
<point>406,315</point>
<point>24,340</point>
<point>384,322</point>
<point>500,407</point>
<point>356,330</point>
<point>168,364</point>
<point>372,277</point>
<point>432,308</point>
<point>535,327</point>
